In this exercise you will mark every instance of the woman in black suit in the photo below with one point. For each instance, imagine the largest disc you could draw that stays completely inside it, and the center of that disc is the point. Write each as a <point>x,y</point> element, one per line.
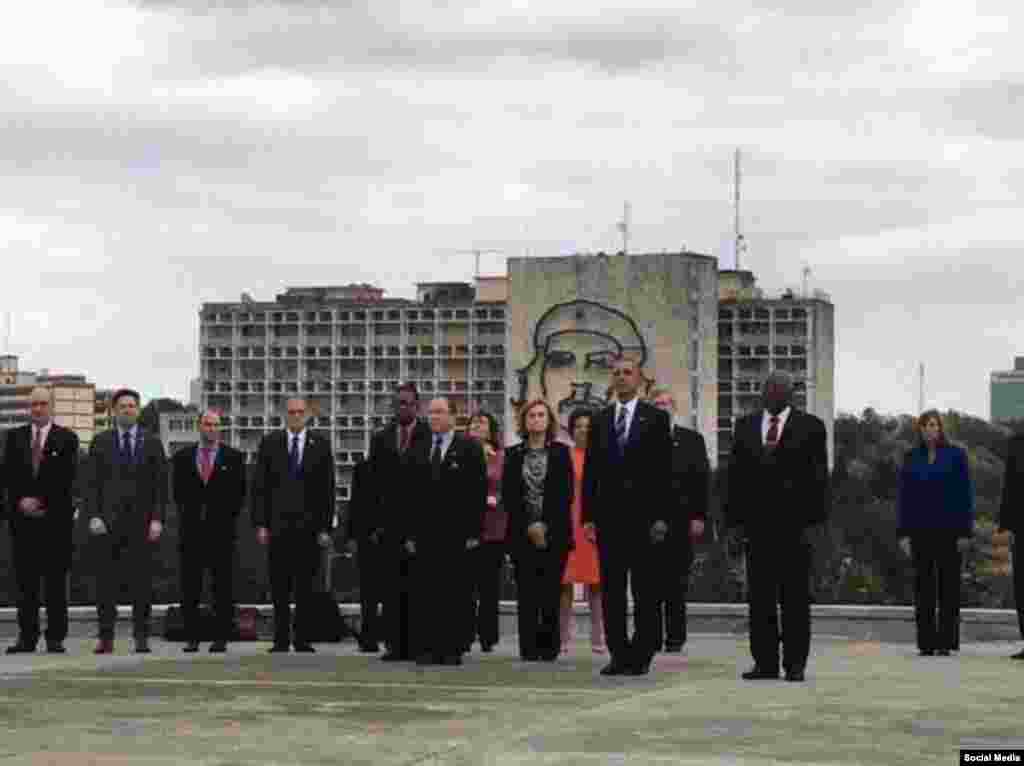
<point>537,484</point>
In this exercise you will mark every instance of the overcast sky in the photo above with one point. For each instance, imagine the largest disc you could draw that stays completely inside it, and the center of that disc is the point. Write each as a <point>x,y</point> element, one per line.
<point>159,155</point>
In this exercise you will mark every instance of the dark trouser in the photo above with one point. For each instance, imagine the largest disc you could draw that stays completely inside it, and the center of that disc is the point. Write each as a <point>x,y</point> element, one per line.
<point>439,599</point>
<point>219,560</point>
<point>372,590</point>
<point>778,573</point>
<point>1017,562</point>
<point>398,601</point>
<point>539,592</point>
<point>121,556</point>
<point>936,583</point>
<point>485,565</point>
<point>671,580</point>
<point>626,556</point>
<point>293,559</point>
<point>41,560</point>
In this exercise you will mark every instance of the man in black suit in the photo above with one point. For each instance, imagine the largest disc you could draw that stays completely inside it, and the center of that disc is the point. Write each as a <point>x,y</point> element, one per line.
<point>209,490</point>
<point>364,542</point>
<point>125,496</point>
<point>778,487</point>
<point>39,465</point>
<point>689,495</point>
<point>626,503</point>
<point>1011,518</point>
<point>293,509</point>
<point>452,495</point>
<point>391,509</point>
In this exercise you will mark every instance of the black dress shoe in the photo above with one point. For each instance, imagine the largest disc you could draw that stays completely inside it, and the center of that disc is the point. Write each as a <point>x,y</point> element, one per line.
<point>486,648</point>
<point>673,648</point>
<point>219,647</point>
<point>21,648</point>
<point>640,669</point>
<point>1018,656</point>
<point>142,646</point>
<point>191,647</point>
<point>394,657</point>
<point>368,648</point>
<point>452,659</point>
<point>760,674</point>
<point>796,676</point>
<point>305,648</point>
<point>926,653</point>
<point>427,659</point>
<point>55,647</point>
<point>943,652</point>
<point>278,649</point>
<point>614,668</point>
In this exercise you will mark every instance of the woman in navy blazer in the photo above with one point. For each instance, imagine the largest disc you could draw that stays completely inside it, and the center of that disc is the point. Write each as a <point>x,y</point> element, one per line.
<point>936,521</point>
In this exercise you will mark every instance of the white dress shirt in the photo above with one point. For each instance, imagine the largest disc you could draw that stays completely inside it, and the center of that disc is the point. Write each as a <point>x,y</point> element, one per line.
<point>630,408</point>
<point>446,442</point>
<point>44,430</point>
<point>301,436</point>
<point>766,423</point>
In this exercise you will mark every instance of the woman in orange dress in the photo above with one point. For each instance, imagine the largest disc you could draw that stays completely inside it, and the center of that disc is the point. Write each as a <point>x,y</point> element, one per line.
<point>582,566</point>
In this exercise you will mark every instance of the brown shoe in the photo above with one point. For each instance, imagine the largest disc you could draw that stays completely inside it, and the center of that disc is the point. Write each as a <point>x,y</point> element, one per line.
<point>104,646</point>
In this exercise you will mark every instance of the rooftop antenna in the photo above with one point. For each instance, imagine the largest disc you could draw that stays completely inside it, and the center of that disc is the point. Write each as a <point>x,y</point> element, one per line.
<point>807,274</point>
<point>476,253</point>
<point>623,226</point>
<point>739,243</point>
<point>920,389</point>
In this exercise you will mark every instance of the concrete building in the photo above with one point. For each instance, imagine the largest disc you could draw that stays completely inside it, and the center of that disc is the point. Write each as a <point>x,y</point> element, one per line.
<point>74,399</point>
<point>178,430</point>
<point>345,349</point>
<point>1006,392</point>
<point>569,316</point>
<point>759,333</point>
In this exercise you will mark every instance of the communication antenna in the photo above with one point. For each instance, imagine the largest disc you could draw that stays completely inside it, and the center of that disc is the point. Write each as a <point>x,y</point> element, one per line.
<point>476,253</point>
<point>807,274</point>
<point>623,226</point>
<point>920,389</point>
<point>739,243</point>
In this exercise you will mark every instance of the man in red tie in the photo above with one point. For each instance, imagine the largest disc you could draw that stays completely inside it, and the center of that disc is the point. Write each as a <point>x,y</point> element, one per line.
<point>209,490</point>
<point>778,487</point>
<point>39,466</point>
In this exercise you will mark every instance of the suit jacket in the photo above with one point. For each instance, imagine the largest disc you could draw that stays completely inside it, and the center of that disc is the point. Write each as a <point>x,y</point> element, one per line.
<point>781,492</point>
<point>690,484</point>
<point>558,495</point>
<point>1011,509</point>
<point>274,502</point>
<point>53,485</point>
<point>208,512</point>
<point>392,476</point>
<point>359,521</point>
<point>632,491</point>
<point>449,510</point>
<point>126,495</point>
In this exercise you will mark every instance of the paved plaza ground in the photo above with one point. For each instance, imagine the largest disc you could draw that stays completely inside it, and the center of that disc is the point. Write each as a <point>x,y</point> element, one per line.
<point>863,703</point>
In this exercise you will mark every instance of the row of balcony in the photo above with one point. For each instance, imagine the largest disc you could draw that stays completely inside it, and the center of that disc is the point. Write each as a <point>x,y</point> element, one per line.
<point>348,352</point>
<point>496,384</point>
<point>761,314</point>
<point>390,315</point>
<point>762,351</point>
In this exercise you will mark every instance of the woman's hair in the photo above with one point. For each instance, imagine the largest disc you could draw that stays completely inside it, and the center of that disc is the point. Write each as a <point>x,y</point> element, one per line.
<point>552,431</point>
<point>581,412</point>
<point>922,423</point>
<point>493,432</point>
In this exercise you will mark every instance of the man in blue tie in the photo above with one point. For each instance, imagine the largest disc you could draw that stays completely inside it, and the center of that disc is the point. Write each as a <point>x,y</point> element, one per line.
<point>626,505</point>
<point>293,511</point>
<point>125,499</point>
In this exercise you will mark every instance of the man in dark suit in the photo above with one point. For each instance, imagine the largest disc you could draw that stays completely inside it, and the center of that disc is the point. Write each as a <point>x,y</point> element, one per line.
<point>293,509</point>
<point>689,495</point>
<point>39,465</point>
<point>452,495</point>
<point>391,509</point>
<point>209,490</point>
<point>626,503</point>
<point>1011,518</point>
<point>364,541</point>
<point>778,487</point>
<point>125,497</point>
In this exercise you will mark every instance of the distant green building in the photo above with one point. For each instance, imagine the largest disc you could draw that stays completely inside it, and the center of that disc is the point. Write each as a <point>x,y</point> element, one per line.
<point>1007,393</point>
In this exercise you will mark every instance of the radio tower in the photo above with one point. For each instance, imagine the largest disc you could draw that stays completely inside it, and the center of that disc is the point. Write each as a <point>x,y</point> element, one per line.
<point>739,243</point>
<point>623,226</point>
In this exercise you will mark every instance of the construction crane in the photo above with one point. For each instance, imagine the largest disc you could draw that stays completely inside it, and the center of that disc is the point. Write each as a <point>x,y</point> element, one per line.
<point>476,253</point>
